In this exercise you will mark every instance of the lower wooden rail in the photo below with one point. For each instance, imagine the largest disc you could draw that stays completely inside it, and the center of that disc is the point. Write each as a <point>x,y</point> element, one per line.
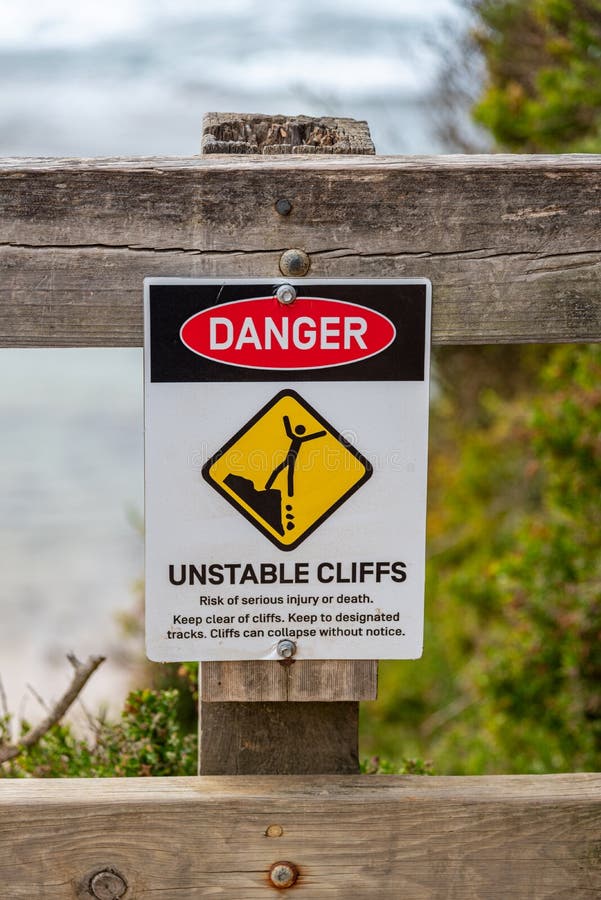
<point>350,837</point>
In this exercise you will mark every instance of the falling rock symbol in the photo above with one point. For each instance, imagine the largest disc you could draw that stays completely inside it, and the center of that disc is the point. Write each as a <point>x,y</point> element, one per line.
<point>267,504</point>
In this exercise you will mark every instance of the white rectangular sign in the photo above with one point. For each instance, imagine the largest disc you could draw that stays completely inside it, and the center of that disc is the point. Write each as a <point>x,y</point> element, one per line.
<point>286,463</point>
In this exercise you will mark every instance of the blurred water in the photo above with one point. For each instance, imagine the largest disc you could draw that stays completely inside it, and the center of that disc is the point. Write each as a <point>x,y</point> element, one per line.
<point>70,479</point>
<point>135,77</point>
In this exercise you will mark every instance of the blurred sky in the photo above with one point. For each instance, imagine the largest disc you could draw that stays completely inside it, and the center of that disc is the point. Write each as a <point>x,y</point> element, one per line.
<point>135,77</point>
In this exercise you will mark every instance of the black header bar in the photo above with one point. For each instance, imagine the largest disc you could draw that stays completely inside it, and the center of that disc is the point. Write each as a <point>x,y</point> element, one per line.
<point>170,305</point>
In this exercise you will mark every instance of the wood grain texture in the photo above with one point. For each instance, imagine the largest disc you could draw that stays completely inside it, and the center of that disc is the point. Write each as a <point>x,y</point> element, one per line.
<point>532,838</point>
<point>511,243</point>
<point>317,679</point>
<point>278,738</point>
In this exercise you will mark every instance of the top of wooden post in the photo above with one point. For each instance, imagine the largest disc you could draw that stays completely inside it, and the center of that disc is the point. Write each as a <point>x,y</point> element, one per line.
<point>268,135</point>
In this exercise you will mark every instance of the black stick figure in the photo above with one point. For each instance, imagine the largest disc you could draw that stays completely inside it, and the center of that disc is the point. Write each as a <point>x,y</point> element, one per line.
<point>297,439</point>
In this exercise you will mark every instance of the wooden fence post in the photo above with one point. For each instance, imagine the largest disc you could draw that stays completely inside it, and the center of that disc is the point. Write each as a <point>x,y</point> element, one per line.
<point>289,717</point>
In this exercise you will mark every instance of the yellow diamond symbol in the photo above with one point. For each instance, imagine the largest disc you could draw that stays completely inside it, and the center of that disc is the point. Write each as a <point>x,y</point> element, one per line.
<point>287,470</point>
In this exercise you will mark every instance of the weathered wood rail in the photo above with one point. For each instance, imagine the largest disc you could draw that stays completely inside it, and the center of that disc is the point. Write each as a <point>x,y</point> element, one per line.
<point>512,244</point>
<point>349,837</point>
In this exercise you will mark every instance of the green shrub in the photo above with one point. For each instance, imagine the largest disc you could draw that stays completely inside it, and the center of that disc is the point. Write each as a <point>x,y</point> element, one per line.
<point>147,740</point>
<point>510,680</point>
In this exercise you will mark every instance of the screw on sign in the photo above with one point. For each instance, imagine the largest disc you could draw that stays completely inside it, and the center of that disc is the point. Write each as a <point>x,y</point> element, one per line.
<point>286,649</point>
<point>286,294</point>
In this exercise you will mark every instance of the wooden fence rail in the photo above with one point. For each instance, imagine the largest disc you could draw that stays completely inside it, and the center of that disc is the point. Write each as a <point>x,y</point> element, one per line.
<point>512,244</point>
<point>353,837</point>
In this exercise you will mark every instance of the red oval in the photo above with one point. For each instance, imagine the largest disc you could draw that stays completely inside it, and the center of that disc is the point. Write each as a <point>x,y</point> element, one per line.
<point>312,333</point>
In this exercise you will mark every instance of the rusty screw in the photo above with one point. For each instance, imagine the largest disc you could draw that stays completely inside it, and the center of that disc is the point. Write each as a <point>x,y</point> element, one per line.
<point>294,263</point>
<point>283,207</point>
<point>107,885</point>
<point>283,874</point>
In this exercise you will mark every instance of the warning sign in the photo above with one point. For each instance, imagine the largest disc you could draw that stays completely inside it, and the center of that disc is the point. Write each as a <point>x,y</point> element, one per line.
<point>286,432</point>
<point>287,470</point>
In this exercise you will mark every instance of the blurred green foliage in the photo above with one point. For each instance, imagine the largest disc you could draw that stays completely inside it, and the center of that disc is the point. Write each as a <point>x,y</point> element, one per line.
<point>377,766</point>
<point>543,62</point>
<point>510,680</point>
<point>147,740</point>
